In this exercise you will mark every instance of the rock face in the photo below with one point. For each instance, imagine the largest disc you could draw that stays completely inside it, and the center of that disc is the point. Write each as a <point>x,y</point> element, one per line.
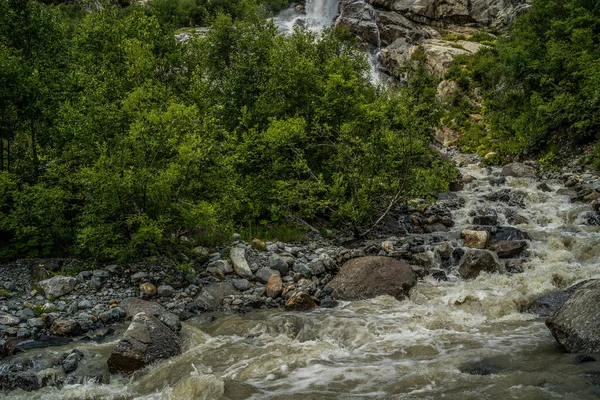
<point>398,29</point>
<point>475,261</point>
<point>576,325</point>
<point>58,286</point>
<point>367,277</point>
<point>146,340</point>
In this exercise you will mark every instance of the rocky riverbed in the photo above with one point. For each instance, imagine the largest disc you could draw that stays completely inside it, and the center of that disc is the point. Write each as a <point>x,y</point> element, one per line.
<point>431,304</point>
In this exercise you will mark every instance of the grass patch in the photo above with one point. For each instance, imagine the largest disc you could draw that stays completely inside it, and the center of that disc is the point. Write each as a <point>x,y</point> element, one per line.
<point>289,232</point>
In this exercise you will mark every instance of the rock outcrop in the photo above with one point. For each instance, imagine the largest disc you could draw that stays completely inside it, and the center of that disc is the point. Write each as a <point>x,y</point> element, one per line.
<point>397,29</point>
<point>367,277</point>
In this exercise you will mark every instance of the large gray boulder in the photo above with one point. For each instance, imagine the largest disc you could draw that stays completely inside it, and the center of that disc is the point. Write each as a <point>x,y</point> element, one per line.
<point>240,264</point>
<point>134,305</point>
<point>367,277</point>
<point>519,170</point>
<point>475,261</point>
<point>147,340</point>
<point>576,325</point>
<point>58,286</point>
<point>211,296</point>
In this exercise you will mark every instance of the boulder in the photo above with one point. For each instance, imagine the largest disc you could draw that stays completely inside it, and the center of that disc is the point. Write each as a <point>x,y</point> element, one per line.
<point>58,286</point>
<point>258,244</point>
<point>264,274</point>
<point>133,305</point>
<point>519,170</point>
<point>147,340</point>
<point>274,286</point>
<point>509,248</point>
<point>576,325</point>
<point>277,263</point>
<point>475,261</point>
<point>8,320</point>
<point>509,233</point>
<point>240,264</point>
<point>475,239</point>
<point>65,327</point>
<point>546,305</point>
<point>300,301</point>
<point>211,296</point>
<point>371,276</point>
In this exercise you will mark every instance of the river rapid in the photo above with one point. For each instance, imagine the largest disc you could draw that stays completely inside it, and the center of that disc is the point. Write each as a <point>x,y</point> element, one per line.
<point>449,340</point>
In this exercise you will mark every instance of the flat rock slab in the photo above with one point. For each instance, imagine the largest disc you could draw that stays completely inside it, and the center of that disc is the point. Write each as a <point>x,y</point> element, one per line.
<point>368,277</point>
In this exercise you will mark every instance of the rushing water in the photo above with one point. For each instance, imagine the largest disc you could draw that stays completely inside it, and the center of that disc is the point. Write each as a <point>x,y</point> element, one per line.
<point>317,15</point>
<point>425,347</point>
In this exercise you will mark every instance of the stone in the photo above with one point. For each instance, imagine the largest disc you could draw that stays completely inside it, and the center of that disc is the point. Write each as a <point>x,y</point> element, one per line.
<point>543,187</point>
<point>509,233</point>
<point>71,362</point>
<point>96,283</point>
<point>264,274</point>
<point>274,286</point>
<point>133,306</point>
<point>509,248</point>
<point>9,320</point>
<point>84,305</point>
<point>576,324</point>
<point>475,239</point>
<point>519,170</point>
<point>371,276</point>
<point>328,302</point>
<point>165,290</point>
<point>171,321</point>
<point>425,259</point>
<point>58,286</point>
<point>211,297</point>
<point>241,284</point>
<point>147,340</point>
<point>475,261</point>
<point>547,304</point>
<point>36,323</point>
<point>27,381</point>
<point>65,327</point>
<point>583,358</point>
<point>138,277</point>
<point>148,289</point>
<point>258,244</point>
<point>219,268</point>
<point>100,273</point>
<point>201,252</point>
<point>240,264</point>
<point>486,216</point>
<point>277,263</point>
<point>300,301</point>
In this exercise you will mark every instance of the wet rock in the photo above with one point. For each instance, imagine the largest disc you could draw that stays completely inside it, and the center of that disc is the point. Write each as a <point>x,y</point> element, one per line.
<point>576,325</point>
<point>475,239</point>
<point>171,321</point>
<point>58,286</point>
<point>71,362</point>
<point>519,170</point>
<point>147,340</point>
<point>300,301</point>
<point>509,248</point>
<point>508,233</point>
<point>264,274</point>
<point>425,259</point>
<point>543,187</point>
<point>328,302</point>
<point>65,327</point>
<point>475,261</point>
<point>371,276</point>
<point>486,216</point>
<point>240,264</point>
<point>27,381</point>
<point>133,305</point>
<point>274,286</point>
<point>17,345</point>
<point>148,289</point>
<point>583,358</point>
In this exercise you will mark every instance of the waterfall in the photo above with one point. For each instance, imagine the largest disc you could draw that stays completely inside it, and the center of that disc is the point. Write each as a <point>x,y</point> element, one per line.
<point>317,15</point>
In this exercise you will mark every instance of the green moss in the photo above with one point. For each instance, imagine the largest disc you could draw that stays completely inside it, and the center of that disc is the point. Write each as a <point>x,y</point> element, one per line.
<point>4,293</point>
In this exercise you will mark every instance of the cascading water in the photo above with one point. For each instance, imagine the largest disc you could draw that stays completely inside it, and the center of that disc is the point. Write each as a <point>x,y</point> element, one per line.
<point>317,15</point>
<point>453,340</point>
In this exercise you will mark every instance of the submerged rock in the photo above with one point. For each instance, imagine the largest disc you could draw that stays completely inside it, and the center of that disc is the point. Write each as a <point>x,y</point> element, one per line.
<point>475,261</point>
<point>146,340</point>
<point>576,325</point>
<point>371,276</point>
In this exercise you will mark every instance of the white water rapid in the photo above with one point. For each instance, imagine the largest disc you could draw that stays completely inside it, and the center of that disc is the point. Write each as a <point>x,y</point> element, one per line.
<point>316,16</point>
<point>455,339</point>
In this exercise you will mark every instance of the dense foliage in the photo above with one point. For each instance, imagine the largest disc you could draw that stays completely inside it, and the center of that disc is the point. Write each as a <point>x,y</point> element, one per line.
<point>117,141</point>
<point>541,82</point>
